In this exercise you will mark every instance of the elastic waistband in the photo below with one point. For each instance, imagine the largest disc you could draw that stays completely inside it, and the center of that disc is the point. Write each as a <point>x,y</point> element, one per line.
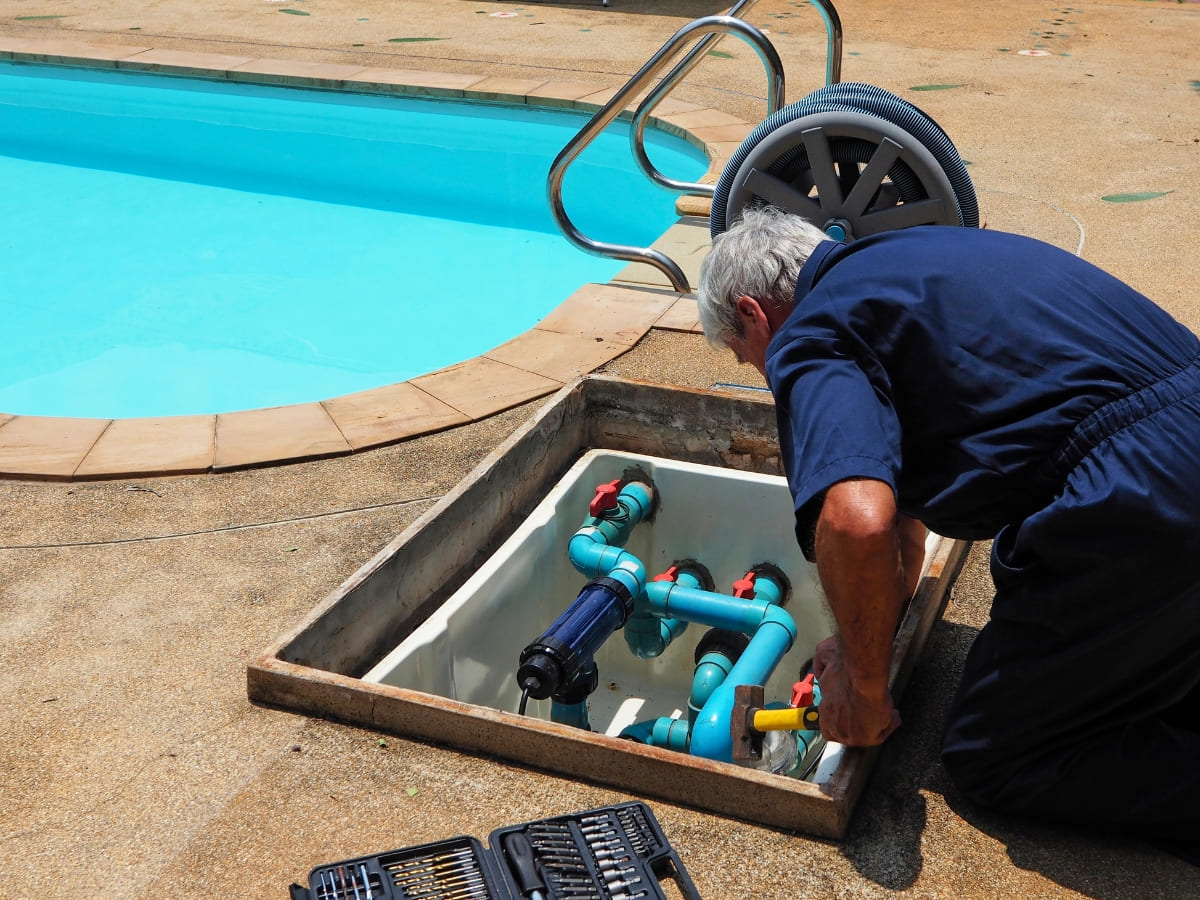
<point>1110,418</point>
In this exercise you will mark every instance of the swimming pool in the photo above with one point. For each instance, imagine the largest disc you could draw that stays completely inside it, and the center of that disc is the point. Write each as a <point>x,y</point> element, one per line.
<point>175,246</point>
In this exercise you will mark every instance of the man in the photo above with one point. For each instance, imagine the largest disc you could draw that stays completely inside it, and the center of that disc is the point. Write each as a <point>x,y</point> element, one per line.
<point>989,386</point>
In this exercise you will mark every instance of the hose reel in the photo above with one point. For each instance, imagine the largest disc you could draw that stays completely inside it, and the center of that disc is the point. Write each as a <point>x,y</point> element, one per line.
<point>854,160</point>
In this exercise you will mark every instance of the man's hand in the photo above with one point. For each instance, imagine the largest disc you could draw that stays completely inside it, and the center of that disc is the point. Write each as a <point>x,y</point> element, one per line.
<point>850,715</point>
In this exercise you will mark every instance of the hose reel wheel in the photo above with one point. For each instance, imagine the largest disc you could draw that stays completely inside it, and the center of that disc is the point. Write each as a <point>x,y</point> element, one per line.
<point>853,160</point>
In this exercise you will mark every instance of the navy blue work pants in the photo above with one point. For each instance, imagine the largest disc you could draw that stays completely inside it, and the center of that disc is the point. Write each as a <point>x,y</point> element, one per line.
<point>1080,699</point>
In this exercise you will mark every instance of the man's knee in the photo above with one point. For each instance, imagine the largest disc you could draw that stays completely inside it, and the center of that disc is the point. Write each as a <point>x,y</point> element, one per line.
<point>1002,771</point>
<point>980,777</point>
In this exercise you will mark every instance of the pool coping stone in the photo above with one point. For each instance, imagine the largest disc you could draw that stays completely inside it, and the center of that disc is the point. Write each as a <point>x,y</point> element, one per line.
<point>591,327</point>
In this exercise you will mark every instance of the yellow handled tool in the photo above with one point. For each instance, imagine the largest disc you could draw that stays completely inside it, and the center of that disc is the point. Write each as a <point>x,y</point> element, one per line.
<point>749,721</point>
<point>806,718</point>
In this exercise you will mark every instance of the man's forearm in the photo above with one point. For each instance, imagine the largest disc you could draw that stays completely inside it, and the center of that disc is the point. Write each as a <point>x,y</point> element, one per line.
<point>859,560</point>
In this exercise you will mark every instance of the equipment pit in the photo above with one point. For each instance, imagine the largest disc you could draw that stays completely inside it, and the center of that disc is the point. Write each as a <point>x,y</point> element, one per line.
<point>426,639</point>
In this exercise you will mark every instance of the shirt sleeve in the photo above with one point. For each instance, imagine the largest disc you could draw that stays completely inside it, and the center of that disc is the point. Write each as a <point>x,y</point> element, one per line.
<point>834,424</point>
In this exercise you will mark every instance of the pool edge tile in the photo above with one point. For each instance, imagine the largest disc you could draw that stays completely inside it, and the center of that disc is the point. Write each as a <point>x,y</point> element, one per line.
<point>411,82</point>
<point>170,445</point>
<point>559,94</point>
<point>673,106</point>
<point>504,90</point>
<point>733,133</point>
<point>57,51</point>
<point>701,117</point>
<point>686,242</point>
<point>552,354</point>
<point>621,313</point>
<point>720,152</point>
<point>482,387</point>
<point>276,434</point>
<point>183,62</point>
<point>389,414</point>
<point>683,315</point>
<point>10,44</point>
<point>45,447</point>
<point>295,73</point>
<point>693,205</point>
<point>599,98</point>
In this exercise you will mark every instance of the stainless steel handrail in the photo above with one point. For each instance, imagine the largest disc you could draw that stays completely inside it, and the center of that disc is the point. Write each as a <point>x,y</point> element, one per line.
<point>610,110</point>
<point>833,74</point>
<point>713,27</point>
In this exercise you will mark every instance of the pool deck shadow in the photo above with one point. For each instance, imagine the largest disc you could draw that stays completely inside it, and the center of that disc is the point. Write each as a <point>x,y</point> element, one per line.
<point>590,328</point>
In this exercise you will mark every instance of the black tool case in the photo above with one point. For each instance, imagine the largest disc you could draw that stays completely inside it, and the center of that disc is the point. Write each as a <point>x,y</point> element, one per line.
<point>612,853</point>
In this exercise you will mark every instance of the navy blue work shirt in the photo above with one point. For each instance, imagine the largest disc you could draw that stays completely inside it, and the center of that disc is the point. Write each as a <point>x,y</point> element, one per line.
<point>952,364</point>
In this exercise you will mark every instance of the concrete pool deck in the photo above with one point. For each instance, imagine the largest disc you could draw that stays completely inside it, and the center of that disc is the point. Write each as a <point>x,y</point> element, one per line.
<point>134,765</point>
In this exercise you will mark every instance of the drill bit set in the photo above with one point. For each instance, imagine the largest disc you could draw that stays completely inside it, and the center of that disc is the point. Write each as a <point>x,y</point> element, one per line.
<point>614,853</point>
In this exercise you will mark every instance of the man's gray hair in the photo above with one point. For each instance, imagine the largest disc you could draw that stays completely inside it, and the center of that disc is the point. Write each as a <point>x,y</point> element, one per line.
<point>760,256</point>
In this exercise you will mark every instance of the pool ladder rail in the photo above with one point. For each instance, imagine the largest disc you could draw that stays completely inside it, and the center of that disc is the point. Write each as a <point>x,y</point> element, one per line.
<point>711,29</point>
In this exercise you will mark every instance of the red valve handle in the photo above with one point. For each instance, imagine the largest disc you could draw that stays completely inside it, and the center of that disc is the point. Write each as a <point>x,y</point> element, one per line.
<point>743,588</point>
<point>672,574</point>
<point>803,692</point>
<point>605,499</point>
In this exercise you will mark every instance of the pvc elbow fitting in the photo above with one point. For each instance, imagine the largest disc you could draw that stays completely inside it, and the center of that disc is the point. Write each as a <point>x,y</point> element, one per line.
<point>661,732</point>
<point>670,733</point>
<point>647,636</point>
<point>710,674</point>
<point>639,500</point>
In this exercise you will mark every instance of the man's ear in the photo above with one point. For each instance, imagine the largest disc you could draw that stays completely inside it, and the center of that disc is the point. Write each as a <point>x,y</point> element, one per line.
<point>750,313</point>
<point>749,310</point>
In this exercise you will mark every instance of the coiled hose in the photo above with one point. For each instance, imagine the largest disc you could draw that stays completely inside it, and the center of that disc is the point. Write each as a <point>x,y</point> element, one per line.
<point>866,99</point>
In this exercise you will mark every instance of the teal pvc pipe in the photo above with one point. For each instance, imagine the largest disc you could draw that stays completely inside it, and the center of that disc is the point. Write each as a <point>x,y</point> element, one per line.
<point>596,549</point>
<point>719,610</point>
<point>766,589</point>
<point>772,634</point>
<point>773,638</point>
<point>713,668</point>
<point>711,672</point>
<point>575,714</point>
<point>648,635</point>
<point>639,731</point>
<point>594,558</point>
<point>670,733</point>
<point>661,732</point>
<point>636,501</point>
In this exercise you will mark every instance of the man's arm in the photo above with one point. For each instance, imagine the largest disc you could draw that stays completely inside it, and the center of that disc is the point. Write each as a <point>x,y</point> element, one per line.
<point>862,548</point>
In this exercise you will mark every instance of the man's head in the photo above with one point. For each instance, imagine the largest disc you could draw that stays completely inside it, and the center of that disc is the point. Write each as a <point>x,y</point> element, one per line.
<point>748,280</point>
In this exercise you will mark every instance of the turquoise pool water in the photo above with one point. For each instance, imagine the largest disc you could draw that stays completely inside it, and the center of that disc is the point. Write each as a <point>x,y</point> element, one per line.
<point>176,246</point>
